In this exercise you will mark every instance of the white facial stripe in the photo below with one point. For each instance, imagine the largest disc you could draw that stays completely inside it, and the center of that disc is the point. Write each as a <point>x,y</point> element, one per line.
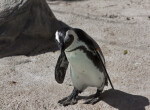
<point>76,42</point>
<point>71,32</point>
<point>57,36</point>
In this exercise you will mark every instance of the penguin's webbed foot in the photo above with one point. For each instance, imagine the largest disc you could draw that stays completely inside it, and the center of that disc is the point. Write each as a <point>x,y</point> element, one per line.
<point>71,99</point>
<point>94,99</point>
<point>68,101</point>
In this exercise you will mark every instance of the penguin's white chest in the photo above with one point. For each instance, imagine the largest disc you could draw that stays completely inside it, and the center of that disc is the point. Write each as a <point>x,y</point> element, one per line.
<point>83,71</point>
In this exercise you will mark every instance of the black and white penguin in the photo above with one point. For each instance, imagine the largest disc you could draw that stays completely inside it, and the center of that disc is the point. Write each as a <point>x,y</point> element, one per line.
<point>87,64</point>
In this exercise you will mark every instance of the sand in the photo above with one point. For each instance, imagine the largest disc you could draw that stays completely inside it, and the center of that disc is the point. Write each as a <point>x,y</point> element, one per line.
<point>122,30</point>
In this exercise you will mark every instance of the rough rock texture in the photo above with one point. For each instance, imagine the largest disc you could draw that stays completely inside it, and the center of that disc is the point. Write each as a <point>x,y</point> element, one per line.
<point>26,27</point>
<point>27,83</point>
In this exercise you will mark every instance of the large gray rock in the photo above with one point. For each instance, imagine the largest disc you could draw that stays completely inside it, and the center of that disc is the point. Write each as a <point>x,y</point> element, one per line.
<point>26,27</point>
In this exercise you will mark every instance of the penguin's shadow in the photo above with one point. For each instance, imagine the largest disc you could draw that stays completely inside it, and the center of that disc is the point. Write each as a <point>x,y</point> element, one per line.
<point>121,100</point>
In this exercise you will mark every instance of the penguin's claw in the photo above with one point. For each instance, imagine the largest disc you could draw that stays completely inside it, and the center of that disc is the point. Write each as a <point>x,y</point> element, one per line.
<point>95,98</point>
<point>60,101</point>
<point>93,101</point>
<point>68,101</point>
<point>71,99</point>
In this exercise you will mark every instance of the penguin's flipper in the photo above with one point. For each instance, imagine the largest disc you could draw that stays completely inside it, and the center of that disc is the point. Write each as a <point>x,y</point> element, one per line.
<point>61,67</point>
<point>103,66</point>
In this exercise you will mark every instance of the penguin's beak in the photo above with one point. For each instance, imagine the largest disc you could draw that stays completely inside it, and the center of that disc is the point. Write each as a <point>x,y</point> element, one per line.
<point>62,47</point>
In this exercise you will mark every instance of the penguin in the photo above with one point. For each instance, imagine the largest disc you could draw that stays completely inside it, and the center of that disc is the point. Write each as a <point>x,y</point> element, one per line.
<point>87,64</point>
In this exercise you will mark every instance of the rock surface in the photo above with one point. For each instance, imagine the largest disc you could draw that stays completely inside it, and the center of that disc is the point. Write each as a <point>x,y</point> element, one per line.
<point>27,83</point>
<point>27,27</point>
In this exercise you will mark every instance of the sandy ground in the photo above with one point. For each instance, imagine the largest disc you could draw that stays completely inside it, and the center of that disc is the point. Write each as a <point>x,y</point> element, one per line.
<point>27,83</point>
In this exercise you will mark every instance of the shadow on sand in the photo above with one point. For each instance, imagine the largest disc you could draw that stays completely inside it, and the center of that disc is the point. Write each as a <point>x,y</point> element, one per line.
<point>123,101</point>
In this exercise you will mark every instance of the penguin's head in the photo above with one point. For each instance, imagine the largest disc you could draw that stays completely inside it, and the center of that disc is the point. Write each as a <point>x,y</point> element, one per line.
<point>66,38</point>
